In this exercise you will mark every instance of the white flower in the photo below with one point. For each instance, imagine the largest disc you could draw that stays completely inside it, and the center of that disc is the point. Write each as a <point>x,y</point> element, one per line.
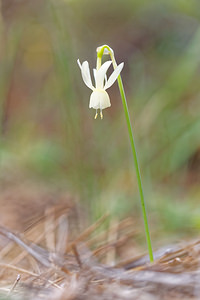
<point>99,98</point>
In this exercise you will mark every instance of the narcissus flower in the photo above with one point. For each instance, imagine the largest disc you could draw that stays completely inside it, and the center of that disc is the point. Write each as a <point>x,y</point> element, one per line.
<point>99,98</point>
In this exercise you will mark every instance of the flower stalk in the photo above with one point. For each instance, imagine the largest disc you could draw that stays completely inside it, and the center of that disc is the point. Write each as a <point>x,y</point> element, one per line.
<point>100,100</point>
<point>107,50</point>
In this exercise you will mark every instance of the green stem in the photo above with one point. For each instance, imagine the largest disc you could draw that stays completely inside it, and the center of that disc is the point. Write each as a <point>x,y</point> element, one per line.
<point>131,137</point>
<point>137,168</point>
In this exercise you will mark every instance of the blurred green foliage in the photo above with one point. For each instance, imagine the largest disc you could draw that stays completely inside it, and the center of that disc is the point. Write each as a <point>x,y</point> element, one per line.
<point>48,131</point>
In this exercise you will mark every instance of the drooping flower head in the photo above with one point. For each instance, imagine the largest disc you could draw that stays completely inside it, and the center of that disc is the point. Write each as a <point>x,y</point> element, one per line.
<point>99,98</point>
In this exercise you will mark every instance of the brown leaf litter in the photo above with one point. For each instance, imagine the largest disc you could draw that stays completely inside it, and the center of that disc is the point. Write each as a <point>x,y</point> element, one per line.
<point>53,259</point>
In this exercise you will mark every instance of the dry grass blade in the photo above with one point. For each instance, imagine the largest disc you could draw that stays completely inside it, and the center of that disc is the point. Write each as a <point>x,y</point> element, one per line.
<point>19,270</point>
<point>77,255</point>
<point>37,252</point>
<point>112,239</point>
<point>87,232</point>
<point>47,275</point>
<point>62,235</point>
<point>50,228</point>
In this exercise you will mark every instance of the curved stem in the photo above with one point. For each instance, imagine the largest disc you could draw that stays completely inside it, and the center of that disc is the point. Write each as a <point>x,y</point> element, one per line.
<point>131,137</point>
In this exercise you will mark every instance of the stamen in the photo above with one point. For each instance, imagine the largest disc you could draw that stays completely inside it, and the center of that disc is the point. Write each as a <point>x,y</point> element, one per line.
<point>101,114</point>
<point>96,115</point>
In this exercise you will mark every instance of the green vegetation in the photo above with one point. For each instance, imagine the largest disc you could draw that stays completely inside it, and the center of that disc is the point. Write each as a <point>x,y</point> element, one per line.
<point>49,134</point>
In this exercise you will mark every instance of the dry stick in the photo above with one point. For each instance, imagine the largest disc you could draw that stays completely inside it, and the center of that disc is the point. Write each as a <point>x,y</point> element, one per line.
<point>24,253</point>
<point>87,232</point>
<point>8,248</point>
<point>77,256</point>
<point>11,244</point>
<point>37,252</point>
<point>14,285</point>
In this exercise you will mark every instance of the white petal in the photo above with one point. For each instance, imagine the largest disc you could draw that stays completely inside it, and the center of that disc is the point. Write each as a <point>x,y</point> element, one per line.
<point>106,78</point>
<point>94,100</point>
<point>78,61</point>
<point>85,71</point>
<point>113,76</point>
<point>95,75</point>
<point>95,72</point>
<point>100,74</point>
<point>99,99</point>
<point>105,100</point>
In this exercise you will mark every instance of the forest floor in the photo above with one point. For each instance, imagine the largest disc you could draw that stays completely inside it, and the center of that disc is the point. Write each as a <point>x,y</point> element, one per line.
<point>48,251</point>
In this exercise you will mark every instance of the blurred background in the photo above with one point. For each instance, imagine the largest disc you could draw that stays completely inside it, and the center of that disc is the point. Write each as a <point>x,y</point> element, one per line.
<point>50,137</point>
